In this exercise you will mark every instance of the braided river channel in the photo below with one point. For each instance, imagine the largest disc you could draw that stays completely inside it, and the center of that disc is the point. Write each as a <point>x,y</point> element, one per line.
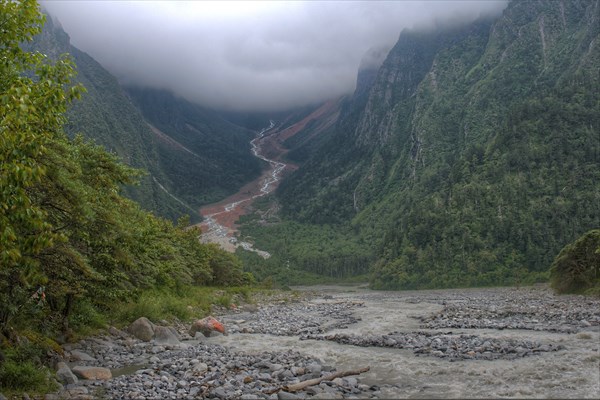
<point>460,343</point>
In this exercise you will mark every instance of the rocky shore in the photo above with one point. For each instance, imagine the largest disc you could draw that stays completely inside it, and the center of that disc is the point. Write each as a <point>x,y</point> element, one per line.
<point>170,364</point>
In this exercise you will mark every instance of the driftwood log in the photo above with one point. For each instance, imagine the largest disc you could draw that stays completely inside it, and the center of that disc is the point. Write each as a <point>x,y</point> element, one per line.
<point>312,382</point>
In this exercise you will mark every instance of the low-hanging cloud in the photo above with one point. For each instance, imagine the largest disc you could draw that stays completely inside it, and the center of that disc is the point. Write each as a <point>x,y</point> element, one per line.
<point>247,55</point>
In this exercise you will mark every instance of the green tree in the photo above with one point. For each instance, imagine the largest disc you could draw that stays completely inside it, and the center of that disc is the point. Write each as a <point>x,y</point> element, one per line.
<point>33,98</point>
<point>67,235</point>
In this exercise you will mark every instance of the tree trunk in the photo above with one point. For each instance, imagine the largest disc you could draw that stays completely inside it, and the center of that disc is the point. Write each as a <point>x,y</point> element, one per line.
<point>312,382</point>
<point>67,312</point>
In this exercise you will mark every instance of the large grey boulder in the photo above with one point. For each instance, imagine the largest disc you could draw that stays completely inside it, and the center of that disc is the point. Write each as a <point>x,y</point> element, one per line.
<point>64,374</point>
<point>165,335</point>
<point>142,329</point>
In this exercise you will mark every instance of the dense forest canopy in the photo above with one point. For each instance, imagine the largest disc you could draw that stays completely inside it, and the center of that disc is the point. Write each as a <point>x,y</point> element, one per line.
<point>472,159</point>
<point>70,244</point>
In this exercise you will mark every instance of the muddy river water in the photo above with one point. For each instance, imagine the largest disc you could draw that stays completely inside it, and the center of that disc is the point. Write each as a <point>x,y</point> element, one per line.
<point>567,323</point>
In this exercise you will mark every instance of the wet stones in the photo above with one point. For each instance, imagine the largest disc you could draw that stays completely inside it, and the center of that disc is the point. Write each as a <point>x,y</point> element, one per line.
<point>161,369</point>
<point>447,345</point>
<point>225,374</point>
<point>295,319</point>
<point>513,308</point>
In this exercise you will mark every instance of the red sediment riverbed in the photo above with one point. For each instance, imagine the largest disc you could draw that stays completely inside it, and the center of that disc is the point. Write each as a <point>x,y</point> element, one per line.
<point>221,217</point>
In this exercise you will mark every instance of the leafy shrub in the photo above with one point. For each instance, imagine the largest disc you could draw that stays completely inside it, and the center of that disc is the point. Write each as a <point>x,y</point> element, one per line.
<point>22,370</point>
<point>576,269</point>
<point>23,376</point>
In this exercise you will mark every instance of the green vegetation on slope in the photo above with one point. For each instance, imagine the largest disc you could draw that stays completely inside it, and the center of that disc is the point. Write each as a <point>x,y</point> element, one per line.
<point>192,155</point>
<point>475,158</point>
<point>73,250</point>
<point>577,267</point>
<point>106,116</point>
<point>205,157</point>
<point>322,250</point>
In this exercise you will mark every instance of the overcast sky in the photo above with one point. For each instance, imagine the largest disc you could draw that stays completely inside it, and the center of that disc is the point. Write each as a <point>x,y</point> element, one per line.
<point>246,55</point>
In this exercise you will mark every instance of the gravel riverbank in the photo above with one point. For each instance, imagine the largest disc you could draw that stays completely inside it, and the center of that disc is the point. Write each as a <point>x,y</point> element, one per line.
<point>271,347</point>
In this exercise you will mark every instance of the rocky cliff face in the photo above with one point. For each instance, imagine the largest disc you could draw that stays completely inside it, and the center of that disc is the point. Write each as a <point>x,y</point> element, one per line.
<point>474,157</point>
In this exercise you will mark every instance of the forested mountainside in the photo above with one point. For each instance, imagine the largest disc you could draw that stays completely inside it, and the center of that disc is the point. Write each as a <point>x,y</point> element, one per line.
<point>75,255</point>
<point>207,157</point>
<point>107,116</point>
<point>472,159</point>
<point>192,155</point>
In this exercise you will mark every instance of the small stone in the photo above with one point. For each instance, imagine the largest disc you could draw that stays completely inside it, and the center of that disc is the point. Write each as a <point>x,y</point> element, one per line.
<point>78,391</point>
<point>220,393</point>
<point>287,396</point>
<point>275,367</point>
<point>157,349</point>
<point>285,375</point>
<point>351,381</point>
<point>117,332</point>
<point>339,381</point>
<point>200,367</point>
<point>326,396</point>
<point>314,368</point>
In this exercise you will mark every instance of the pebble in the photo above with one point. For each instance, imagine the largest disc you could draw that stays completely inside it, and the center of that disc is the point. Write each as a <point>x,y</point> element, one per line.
<point>211,371</point>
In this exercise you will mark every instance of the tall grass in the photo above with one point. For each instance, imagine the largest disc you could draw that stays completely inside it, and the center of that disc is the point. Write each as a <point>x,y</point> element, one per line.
<point>184,304</point>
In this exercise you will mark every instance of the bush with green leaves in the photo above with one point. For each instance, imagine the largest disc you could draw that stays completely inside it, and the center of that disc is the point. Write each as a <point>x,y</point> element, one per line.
<point>71,246</point>
<point>576,269</point>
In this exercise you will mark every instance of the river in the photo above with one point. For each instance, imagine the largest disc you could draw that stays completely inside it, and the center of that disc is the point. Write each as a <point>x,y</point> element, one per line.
<point>219,219</point>
<point>571,372</point>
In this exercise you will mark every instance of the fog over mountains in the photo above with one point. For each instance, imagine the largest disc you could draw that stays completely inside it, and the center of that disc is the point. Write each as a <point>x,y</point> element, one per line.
<point>251,56</point>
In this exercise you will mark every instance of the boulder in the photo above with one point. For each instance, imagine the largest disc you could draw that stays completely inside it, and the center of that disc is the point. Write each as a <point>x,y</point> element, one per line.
<point>84,372</point>
<point>77,355</point>
<point>64,374</point>
<point>206,326</point>
<point>117,332</point>
<point>142,329</point>
<point>165,335</point>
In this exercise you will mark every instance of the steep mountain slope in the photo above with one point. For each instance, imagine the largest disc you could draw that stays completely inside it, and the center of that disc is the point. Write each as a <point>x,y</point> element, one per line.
<point>475,157</point>
<point>107,116</point>
<point>192,155</point>
<point>205,156</point>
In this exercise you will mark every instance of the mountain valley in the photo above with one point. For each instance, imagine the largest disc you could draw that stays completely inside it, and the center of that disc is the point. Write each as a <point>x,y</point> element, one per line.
<point>467,156</point>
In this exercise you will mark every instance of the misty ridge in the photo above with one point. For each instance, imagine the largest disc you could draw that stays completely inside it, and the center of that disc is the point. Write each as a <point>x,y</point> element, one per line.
<point>393,196</point>
<point>401,127</point>
<point>250,56</point>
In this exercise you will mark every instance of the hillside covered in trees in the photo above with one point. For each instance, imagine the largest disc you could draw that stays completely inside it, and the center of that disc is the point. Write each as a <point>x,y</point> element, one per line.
<point>472,159</point>
<point>73,249</point>
<point>191,155</point>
